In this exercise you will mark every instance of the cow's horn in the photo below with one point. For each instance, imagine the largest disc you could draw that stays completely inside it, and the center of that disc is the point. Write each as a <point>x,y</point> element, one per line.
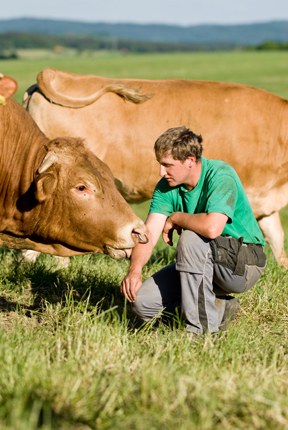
<point>50,159</point>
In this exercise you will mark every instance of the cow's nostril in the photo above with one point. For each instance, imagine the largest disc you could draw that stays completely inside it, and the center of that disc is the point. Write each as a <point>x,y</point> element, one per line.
<point>142,237</point>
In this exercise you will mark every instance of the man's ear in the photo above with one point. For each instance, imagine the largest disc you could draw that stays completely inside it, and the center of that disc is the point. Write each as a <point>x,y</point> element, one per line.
<point>45,185</point>
<point>192,160</point>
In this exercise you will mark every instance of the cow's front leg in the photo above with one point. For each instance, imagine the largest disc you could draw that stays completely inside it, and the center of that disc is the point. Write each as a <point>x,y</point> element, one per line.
<point>274,234</point>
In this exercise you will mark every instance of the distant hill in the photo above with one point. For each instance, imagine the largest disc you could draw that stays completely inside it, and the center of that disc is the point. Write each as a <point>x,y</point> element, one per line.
<point>238,34</point>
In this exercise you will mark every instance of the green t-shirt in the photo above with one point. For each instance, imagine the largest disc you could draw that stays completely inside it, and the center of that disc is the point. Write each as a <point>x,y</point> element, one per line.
<point>219,190</point>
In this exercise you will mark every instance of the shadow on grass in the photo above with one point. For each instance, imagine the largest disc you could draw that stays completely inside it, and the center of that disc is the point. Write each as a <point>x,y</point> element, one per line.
<point>93,280</point>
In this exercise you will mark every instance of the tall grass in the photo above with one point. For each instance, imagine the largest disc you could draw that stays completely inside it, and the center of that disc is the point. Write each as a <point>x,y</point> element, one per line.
<point>74,357</point>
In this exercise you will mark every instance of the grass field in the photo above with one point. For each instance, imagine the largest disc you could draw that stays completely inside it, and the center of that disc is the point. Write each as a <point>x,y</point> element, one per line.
<point>72,355</point>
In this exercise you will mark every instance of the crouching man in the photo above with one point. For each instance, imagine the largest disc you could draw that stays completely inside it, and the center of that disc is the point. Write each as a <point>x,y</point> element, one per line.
<point>220,249</point>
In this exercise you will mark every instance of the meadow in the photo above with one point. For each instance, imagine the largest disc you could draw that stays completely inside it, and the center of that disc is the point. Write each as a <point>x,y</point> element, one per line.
<point>73,357</point>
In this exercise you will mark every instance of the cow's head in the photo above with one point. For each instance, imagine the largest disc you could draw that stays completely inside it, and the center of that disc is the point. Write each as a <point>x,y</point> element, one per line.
<point>77,203</point>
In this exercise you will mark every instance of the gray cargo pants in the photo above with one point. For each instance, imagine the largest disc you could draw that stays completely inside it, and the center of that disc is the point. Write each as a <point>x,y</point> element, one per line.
<point>193,284</point>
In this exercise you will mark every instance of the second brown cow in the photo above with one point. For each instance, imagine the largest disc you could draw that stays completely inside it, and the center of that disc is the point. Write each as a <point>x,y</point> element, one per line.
<point>121,118</point>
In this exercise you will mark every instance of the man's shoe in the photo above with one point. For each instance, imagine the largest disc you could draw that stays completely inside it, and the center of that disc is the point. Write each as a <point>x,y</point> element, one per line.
<point>232,307</point>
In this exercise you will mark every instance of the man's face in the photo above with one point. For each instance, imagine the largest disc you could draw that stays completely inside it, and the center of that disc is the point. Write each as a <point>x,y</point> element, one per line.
<point>176,172</point>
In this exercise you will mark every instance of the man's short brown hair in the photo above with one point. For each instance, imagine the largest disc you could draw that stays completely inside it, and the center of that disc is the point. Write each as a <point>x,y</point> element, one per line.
<point>181,142</point>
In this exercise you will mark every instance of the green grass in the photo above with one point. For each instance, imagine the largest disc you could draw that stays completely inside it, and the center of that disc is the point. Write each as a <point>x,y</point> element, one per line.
<point>74,357</point>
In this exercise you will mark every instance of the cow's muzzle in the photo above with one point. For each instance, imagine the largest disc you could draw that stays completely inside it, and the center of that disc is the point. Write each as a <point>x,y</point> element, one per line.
<point>120,253</point>
<point>117,254</point>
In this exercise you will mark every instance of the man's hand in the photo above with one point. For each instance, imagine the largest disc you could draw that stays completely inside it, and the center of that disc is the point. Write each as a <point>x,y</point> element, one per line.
<point>167,233</point>
<point>140,255</point>
<point>130,285</point>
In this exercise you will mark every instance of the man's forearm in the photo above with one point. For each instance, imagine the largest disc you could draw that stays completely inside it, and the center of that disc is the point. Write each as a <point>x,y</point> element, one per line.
<point>142,252</point>
<point>140,256</point>
<point>208,225</point>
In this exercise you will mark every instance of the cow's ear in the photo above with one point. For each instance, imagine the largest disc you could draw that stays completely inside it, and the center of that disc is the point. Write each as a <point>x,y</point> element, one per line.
<point>8,86</point>
<point>45,186</point>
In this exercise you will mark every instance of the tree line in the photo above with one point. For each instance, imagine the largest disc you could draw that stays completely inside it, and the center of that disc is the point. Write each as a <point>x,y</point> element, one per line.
<point>10,42</point>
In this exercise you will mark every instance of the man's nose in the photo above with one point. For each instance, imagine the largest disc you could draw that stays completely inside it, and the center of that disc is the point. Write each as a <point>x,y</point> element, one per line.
<point>162,171</point>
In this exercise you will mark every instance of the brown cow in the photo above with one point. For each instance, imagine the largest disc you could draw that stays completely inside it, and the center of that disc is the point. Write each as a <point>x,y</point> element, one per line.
<point>56,196</point>
<point>121,119</point>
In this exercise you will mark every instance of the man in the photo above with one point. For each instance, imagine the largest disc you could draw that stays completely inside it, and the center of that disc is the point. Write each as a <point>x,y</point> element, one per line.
<point>220,249</point>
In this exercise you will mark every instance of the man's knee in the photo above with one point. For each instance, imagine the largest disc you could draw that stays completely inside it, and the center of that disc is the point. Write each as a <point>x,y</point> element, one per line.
<point>188,238</point>
<point>147,303</point>
<point>192,252</point>
<point>140,307</point>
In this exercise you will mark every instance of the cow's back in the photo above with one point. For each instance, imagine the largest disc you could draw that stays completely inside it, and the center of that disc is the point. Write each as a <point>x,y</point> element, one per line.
<point>242,125</point>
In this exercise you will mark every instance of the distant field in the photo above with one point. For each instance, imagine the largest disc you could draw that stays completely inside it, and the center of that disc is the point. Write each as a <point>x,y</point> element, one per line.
<point>72,357</point>
<point>267,70</point>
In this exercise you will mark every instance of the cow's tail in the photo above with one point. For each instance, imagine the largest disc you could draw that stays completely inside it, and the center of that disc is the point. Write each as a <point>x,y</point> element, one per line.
<point>125,92</point>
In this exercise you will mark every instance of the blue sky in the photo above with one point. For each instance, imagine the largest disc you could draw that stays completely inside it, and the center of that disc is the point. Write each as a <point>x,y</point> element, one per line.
<point>180,12</point>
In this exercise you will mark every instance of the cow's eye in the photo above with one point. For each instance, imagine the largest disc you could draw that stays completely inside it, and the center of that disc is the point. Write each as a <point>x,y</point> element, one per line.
<point>81,187</point>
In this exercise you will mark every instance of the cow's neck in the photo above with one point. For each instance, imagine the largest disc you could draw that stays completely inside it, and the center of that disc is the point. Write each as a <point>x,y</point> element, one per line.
<point>22,149</point>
